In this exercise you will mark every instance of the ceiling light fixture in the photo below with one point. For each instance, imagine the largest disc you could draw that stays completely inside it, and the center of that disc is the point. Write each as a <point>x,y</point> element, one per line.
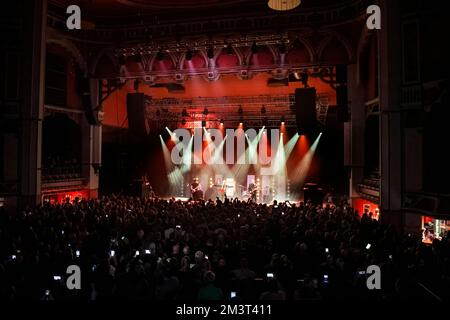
<point>283,5</point>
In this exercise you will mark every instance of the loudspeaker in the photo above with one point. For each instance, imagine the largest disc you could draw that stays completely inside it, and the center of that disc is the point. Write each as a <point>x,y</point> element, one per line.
<point>88,89</point>
<point>341,74</point>
<point>342,102</point>
<point>305,110</point>
<point>137,121</point>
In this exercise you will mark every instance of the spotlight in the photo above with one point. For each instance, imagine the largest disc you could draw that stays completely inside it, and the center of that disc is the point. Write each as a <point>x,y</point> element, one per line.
<point>122,60</point>
<point>210,53</point>
<point>160,56</point>
<point>189,55</point>
<point>221,122</point>
<point>282,120</point>
<point>205,111</point>
<point>263,110</point>
<point>254,48</point>
<point>229,49</point>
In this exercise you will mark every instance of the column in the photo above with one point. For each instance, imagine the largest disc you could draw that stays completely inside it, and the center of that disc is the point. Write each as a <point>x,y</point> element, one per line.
<point>355,138</point>
<point>32,107</point>
<point>91,156</point>
<point>390,120</point>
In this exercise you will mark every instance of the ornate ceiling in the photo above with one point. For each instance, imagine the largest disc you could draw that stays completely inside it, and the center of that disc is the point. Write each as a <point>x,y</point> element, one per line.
<point>109,11</point>
<point>318,33</point>
<point>184,4</point>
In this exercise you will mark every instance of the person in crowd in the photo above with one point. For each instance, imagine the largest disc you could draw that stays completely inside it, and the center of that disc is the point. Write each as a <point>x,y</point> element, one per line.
<point>273,291</point>
<point>149,248</point>
<point>209,291</point>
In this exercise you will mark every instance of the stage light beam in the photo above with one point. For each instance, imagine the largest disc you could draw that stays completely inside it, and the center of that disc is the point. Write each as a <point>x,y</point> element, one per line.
<point>301,171</point>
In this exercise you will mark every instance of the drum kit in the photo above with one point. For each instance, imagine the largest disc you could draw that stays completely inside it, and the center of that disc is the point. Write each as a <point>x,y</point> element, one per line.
<point>245,193</point>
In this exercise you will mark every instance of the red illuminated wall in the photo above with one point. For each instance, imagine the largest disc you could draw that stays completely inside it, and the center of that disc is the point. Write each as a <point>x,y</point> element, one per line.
<point>59,197</point>
<point>359,204</point>
<point>228,85</point>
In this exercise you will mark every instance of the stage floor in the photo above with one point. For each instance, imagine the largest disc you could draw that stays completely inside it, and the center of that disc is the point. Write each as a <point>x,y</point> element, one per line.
<point>185,199</point>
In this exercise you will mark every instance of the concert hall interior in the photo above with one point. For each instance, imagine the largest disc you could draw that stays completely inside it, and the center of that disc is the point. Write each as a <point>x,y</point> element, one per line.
<point>265,115</point>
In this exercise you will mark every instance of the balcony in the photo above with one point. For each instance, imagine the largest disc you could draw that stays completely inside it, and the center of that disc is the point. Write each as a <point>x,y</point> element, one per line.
<point>369,188</point>
<point>430,204</point>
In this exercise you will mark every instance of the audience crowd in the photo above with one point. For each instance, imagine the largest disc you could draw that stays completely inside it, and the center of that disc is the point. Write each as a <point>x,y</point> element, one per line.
<point>136,248</point>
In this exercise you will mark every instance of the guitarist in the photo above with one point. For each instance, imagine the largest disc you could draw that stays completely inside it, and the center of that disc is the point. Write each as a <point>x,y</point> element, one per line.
<point>252,189</point>
<point>196,190</point>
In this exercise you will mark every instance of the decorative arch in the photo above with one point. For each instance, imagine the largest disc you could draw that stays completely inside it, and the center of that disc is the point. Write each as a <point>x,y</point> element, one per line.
<point>248,54</point>
<point>236,51</point>
<point>308,46</point>
<point>332,34</point>
<point>182,58</point>
<point>108,52</point>
<point>225,37</point>
<point>70,47</point>
<point>171,56</point>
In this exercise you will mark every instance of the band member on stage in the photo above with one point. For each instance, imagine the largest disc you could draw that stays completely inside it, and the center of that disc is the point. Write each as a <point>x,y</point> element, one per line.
<point>222,191</point>
<point>196,190</point>
<point>252,189</point>
<point>266,194</point>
